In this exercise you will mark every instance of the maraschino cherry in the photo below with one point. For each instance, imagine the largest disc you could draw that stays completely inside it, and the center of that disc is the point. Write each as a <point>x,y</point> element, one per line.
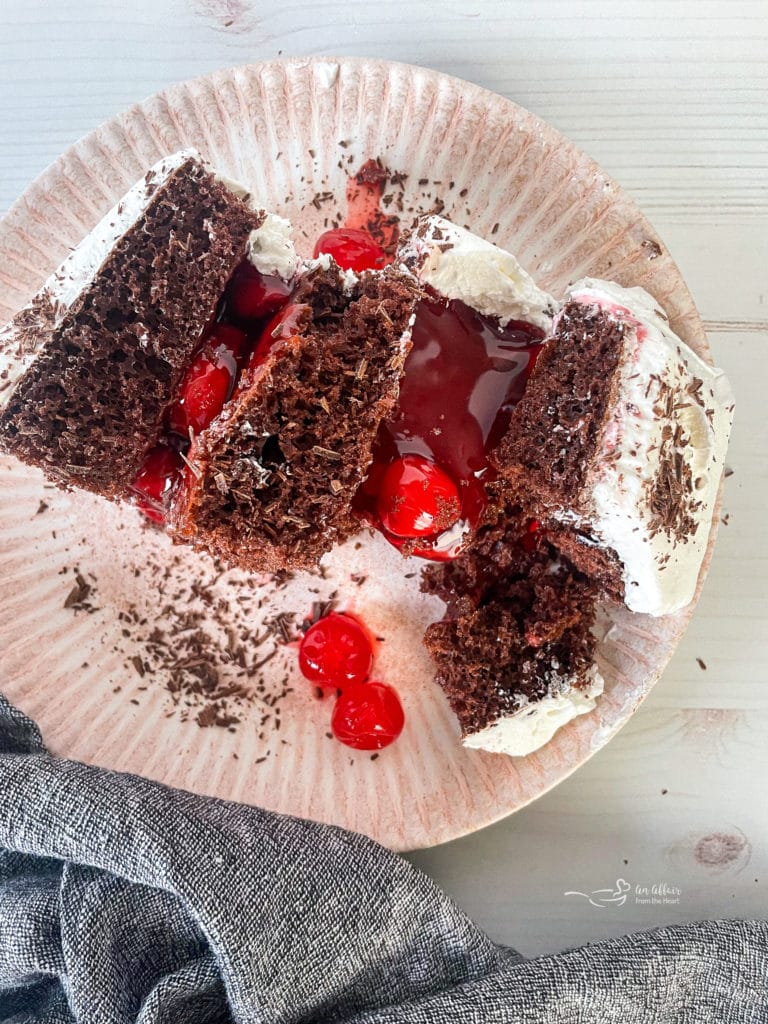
<point>287,323</point>
<point>351,249</point>
<point>253,296</point>
<point>209,382</point>
<point>367,716</point>
<point>417,498</point>
<point>156,482</point>
<point>335,651</point>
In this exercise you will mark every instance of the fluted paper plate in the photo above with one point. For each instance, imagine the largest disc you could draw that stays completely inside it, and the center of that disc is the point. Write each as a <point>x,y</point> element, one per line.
<point>72,658</point>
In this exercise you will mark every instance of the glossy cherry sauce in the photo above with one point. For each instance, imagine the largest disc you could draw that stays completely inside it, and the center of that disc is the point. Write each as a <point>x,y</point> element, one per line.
<point>463,377</point>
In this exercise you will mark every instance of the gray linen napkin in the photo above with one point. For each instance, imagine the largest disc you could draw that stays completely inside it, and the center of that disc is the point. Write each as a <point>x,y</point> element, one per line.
<point>124,901</point>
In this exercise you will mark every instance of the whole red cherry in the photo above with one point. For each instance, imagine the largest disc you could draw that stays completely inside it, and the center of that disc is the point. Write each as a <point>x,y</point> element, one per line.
<point>209,382</point>
<point>288,322</point>
<point>367,716</point>
<point>335,651</point>
<point>417,498</point>
<point>351,249</point>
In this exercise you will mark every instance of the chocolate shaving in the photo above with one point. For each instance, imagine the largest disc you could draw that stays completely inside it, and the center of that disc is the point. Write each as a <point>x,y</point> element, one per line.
<point>670,495</point>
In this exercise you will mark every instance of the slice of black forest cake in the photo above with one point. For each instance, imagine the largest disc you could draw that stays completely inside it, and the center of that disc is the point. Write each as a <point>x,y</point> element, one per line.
<point>88,368</point>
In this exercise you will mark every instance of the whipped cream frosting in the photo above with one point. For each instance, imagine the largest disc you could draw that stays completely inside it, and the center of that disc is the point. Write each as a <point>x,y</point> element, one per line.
<point>76,274</point>
<point>271,250</point>
<point>460,265</point>
<point>535,724</point>
<point>651,495</point>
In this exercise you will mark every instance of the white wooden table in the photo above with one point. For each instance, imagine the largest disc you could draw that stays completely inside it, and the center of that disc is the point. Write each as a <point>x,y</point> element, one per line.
<point>670,97</point>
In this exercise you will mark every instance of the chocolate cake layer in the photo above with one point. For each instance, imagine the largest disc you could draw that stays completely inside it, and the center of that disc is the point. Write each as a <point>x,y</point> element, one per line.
<point>555,430</point>
<point>274,476</point>
<point>91,404</point>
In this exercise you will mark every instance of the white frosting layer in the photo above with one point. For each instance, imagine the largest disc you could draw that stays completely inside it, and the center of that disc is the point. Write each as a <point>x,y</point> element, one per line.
<point>460,265</point>
<point>78,271</point>
<point>660,564</point>
<point>535,724</point>
<point>270,248</point>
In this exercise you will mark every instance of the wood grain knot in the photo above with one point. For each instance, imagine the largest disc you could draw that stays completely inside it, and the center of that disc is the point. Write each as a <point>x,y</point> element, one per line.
<point>235,16</point>
<point>720,850</point>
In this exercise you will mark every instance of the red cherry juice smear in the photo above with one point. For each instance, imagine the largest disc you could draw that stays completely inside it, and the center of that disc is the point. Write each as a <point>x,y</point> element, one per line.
<point>463,377</point>
<point>364,192</point>
<point>533,535</point>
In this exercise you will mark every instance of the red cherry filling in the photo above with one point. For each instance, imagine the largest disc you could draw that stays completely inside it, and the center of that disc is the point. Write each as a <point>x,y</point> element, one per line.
<point>156,482</point>
<point>335,651</point>
<point>464,375</point>
<point>417,498</point>
<point>286,323</point>
<point>209,382</point>
<point>352,249</point>
<point>368,716</point>
<point>533,535</point>
<point>253,296</point>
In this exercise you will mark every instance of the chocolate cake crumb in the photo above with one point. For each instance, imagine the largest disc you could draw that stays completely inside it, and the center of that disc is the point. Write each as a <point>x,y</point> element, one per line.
<point>372,172</point>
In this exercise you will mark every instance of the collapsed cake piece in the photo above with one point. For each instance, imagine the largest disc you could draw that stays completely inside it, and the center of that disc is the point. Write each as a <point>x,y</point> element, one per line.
<point>185,359</point>
<point>88,368</point>
<point>618,446</point>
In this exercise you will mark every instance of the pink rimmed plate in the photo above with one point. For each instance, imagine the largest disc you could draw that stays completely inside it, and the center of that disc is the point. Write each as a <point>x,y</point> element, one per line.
<point>100,617</point>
